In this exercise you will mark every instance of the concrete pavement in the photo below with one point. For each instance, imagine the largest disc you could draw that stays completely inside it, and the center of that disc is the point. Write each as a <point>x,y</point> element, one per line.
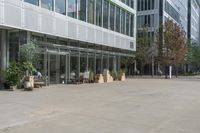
<point>133,106</point>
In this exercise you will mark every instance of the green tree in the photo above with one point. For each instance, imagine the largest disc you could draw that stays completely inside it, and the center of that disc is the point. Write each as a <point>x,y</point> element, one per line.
<point>142,52</point>
<point>193,54</point>
<point>28,56</point>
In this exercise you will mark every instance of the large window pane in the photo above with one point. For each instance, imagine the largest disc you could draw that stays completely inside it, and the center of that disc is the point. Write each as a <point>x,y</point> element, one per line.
<point>105,13</point>
<point>82,10</point>
<point>132,25</point>
<point>99,12</point>
<point>117,19</point>
<point>91,11</point>
<point>60,6</point>
<point>48,4</point>
<point>34,2</point>
<point>123,22</point>
<point>72,8</point>
<point>127,23</point>
<point>112,17</point>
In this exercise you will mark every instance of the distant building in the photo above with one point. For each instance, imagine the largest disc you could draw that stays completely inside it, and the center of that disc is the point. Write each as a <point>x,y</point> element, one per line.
<point>153,13</point>
<point>194,20</point>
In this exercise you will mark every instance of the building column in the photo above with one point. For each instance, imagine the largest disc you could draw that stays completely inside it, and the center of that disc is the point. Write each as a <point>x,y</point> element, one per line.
<point>87,67</point>
<point>102,63</point>
<point>3,53</point>
<point>119,63</point>
<point>108,61</point>
<point>114,63</point>
<point>95,63</point>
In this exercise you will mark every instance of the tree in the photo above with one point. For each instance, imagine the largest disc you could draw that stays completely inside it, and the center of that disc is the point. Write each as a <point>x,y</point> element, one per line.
<point>28,56</point>
<point>171,41</point>
<point>142,52</point>
<point>193,54</point>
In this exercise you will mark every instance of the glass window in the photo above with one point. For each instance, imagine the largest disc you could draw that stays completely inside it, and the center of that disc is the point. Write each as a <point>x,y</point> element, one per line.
<point>132,4</point>
<point>117,19</point>
<point>82,10</point>
<point>60,6</point>
<point>48,4</point>
<point>132,25</point>
<point>91,11</point>
<point>127,23</point>
<point>112,17</point>
<point>72,9</point>
<point>34,2</point>
<point>105,13</point>
<point>123,22</point>
<point>99,12</point>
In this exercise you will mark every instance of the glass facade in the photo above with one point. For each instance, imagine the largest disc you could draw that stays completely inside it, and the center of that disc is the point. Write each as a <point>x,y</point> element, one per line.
<point>172,12</point>
<point>48,4</point>
<point>117,19</point>
<point>72,8</point>
<point>123,22</point>
<point>112,17</point>
<point>129,3</point>
<point>99,12</point>
<point>82,10</point>
<point>91,5</point>
<point>103,13</point>
<point>143,5</point>
<point>127,24</point>
<point>60,6</point>
<point>34,2</point>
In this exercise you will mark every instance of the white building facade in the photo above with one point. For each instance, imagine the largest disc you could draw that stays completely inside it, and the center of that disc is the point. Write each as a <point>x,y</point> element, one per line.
<point>73,35</point>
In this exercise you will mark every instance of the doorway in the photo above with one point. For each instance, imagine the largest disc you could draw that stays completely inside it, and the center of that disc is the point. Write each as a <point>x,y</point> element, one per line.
<point>57,66</point>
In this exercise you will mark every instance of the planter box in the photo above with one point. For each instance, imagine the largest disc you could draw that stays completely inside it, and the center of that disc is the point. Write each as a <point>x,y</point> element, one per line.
<point>122,77</point>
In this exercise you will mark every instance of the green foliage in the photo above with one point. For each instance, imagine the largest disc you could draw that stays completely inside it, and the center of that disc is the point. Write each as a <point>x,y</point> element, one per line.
<point>13,74</point>
<point>27,67</point>
<point>28,56</point>
<point>120,73</point>
<point>193,54</point>
<point>142,46</point>
<point>28,52</point>
<point>91,76</point>
<point>114,74</point>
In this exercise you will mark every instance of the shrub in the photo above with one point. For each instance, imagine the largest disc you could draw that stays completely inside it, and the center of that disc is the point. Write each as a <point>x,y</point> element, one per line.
<point>13,74</point>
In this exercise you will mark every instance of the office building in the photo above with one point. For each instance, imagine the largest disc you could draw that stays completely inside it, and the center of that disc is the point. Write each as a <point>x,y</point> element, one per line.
<point>74,36</point>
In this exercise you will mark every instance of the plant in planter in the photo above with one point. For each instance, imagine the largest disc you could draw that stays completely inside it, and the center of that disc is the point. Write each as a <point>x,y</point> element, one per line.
<point>114,75</point>
<point>121,75</point>
<point>13,75</point>
<point>91,77</point>
<point>28,56</point>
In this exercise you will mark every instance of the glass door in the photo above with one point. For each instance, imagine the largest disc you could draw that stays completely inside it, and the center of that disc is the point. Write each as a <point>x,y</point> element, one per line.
<point>53,69</point>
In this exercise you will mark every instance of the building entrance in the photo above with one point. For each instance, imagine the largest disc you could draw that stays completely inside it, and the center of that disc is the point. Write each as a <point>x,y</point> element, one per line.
<point>57,67</point>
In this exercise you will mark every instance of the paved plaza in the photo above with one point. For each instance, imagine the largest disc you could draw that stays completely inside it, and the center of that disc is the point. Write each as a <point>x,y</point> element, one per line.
<point>133,106</point>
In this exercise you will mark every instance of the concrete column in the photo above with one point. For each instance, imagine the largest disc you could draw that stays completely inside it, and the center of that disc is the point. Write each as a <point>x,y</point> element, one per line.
<point>114,63</point>
<point>95,63</point>
<point>108,61</point>
<point>57,69</point>
<point>3,53</point>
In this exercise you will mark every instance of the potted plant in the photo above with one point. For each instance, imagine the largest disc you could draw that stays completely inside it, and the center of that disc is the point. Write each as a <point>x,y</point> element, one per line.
<point>114,75</point>
<point>13,75</point>
<point>28,68</point>
<point>121,75</point>
<point>28,56</point>
<point>91,76</point>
